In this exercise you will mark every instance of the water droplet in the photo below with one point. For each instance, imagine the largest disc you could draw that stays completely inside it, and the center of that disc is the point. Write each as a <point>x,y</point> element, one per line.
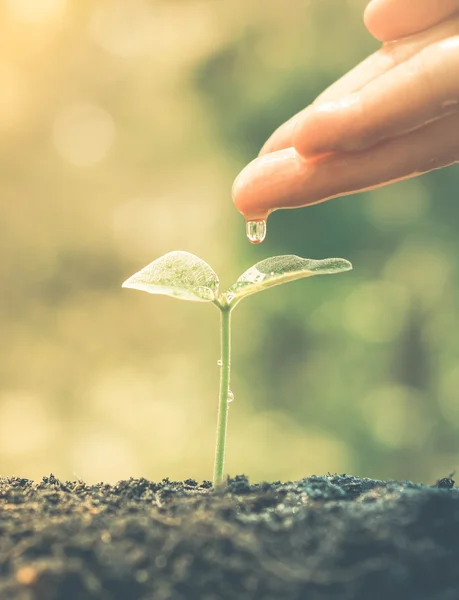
<point>219,362</point>
<point>256,231</point>
<point>230,396</point>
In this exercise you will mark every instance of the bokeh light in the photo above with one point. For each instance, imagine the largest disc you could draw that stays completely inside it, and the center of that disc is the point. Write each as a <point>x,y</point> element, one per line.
<point>83,134</point>
<point>33,11</point>
<point>122,126</point>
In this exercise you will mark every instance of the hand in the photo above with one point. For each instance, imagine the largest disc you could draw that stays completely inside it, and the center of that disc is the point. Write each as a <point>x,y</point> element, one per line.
<point>394,116</point>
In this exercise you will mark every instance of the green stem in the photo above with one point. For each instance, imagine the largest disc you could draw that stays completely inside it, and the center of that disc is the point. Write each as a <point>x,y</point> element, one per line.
<point>222,419</point>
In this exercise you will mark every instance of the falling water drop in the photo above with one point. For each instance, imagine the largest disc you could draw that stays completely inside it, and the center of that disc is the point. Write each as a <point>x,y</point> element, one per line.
<point>230,396</point>
<point>219,362</point>
<point>256,231</point>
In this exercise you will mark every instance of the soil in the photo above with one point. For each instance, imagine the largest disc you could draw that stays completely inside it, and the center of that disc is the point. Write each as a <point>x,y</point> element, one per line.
<point>332,537</point>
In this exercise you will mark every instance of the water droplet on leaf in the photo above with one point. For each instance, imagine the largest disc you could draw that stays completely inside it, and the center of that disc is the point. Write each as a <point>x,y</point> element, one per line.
<point>256,231</point>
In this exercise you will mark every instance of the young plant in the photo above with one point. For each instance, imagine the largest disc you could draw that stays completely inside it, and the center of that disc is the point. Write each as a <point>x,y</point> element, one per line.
<point>185,276</point>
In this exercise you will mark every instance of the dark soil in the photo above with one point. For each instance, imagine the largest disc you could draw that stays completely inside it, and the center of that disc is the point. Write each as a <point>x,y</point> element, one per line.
<point>318,538</point>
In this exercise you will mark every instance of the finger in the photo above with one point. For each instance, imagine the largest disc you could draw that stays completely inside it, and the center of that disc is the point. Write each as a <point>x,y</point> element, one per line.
<point>373,67</point>
<point>393,19</point>
<point>282,137</point>
<point>285,180</point>
<point>386,58</point>
<point>422,89</point>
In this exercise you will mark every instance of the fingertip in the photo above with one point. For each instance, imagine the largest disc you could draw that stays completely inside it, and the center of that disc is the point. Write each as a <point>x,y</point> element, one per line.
<point>389,20</point>
<point>262,186</point>
<point>281,138</point>
<point>303,140</point>
<point>242,191</point>
<point>237,190</point>
<point>373,22</point>
<point>271,144</point>
<point>267,147</point>
<point>317,131</point>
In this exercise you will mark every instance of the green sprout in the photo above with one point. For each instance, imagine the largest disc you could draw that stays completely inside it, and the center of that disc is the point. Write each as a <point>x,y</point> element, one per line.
<point>185,276</point>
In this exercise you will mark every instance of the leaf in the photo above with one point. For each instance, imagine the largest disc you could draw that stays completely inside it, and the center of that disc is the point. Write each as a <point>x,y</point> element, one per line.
<point>282,269</point>
<point>177,274</point>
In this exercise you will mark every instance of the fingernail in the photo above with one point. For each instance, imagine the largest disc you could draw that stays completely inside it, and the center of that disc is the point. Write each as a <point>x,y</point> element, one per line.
<point>265,184</point>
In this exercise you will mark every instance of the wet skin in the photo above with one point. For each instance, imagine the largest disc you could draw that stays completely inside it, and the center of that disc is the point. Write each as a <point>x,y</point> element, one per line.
<point>394,116</point>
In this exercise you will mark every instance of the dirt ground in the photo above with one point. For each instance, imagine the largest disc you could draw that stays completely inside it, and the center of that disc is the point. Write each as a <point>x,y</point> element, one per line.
<point>336,536</point>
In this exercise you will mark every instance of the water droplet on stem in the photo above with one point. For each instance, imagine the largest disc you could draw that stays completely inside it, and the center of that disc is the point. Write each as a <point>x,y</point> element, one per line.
<point>256,231</point>
<point>230,396</point>
<point>219,362</point>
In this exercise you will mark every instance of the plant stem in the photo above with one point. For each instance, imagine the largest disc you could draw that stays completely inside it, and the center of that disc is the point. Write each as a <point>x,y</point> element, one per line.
<point>222,419</point>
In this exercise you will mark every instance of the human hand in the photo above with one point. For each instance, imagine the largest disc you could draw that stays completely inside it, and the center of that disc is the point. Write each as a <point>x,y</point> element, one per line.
<point>394,116</point>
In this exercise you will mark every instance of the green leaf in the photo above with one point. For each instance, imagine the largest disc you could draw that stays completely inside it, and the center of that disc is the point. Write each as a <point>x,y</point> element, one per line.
<point>177,274</point>
<point>282,269</point>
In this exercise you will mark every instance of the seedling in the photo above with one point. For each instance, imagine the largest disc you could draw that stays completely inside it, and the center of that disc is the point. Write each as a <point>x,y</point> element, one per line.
<point>185,276</point>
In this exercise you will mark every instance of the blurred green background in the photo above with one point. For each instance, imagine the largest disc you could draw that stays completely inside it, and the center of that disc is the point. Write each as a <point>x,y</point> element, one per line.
<point>122,126</point>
